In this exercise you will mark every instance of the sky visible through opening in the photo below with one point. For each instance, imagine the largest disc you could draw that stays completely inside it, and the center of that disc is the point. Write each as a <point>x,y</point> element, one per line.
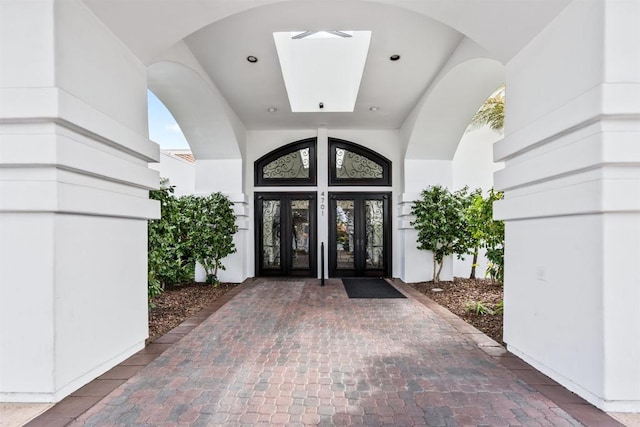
<point>163,128</point>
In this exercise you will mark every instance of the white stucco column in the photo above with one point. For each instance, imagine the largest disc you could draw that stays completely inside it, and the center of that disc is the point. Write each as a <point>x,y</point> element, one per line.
<point>74,201</point>
<point>572,202</point>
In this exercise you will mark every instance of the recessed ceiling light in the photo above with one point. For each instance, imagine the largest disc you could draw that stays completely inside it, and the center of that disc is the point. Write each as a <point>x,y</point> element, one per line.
<point>272,109</point>
<point>394,57</point>
<point>374,108</point>
<point>252,59</point>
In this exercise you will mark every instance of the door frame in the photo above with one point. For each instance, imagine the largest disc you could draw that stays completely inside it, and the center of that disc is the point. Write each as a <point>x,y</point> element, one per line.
<point>359,198</point>
<point>285,240</point>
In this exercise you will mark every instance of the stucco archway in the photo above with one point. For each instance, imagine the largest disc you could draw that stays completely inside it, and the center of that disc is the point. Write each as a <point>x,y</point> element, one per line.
<point>446,110</point>
<point>198,108</point>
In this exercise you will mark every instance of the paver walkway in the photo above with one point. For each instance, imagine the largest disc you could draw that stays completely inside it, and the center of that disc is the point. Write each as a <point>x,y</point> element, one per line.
<point>288,352</point>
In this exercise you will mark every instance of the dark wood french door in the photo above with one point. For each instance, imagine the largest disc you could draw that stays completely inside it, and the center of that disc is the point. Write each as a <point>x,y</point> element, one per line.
<point>359,234</point>
<point>285,234</point>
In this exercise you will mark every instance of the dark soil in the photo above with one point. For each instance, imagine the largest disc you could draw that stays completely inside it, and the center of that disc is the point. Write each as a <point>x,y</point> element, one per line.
<point>175,305</point>
<point>457,295</point>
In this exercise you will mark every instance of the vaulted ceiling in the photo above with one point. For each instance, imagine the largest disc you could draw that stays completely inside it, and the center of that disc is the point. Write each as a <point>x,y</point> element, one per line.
<point>425,33</point>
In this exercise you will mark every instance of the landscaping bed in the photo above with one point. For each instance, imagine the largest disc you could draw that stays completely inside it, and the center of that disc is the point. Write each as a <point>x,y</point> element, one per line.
<point>460,297</point>
<point>178,303</point>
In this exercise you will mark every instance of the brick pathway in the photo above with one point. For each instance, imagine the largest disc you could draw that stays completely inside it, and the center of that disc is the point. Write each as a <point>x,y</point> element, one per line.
<point>288,352</point>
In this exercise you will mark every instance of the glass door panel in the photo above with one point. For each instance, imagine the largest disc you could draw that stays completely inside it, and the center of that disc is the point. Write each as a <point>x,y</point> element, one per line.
<point>271,234</point>
<point>301,225</point>
<point>374,234</point>
<point>345,238</point>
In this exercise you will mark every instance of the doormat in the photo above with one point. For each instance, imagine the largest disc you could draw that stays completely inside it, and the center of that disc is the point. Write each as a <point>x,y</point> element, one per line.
<point>370,287</point>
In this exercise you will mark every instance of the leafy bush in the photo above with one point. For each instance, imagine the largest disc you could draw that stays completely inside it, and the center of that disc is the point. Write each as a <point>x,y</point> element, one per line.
<point>190,229</point>
<point>213,224</point>
<point>459,223</point>
<point>486,233</point>
<point>475,226</point>
<point>494,238</point>
<point>441,224</point>
<point>169,255</point>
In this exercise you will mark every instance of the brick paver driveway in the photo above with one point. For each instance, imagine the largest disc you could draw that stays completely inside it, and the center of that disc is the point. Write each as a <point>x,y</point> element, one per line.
<point>288,352</point>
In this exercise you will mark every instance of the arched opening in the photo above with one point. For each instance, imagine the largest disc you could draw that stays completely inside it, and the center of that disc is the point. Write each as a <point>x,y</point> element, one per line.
<point>199,110</point>
<point>449,106</point>
<point>163,127</point>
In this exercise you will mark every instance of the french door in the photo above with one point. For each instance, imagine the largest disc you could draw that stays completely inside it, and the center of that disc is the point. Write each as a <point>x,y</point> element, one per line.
<point>285,234</point>
<point>359,234</point>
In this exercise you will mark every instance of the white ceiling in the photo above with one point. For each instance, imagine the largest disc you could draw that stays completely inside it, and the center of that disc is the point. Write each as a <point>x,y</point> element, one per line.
<point>222,33</point>
<point>394,87</point>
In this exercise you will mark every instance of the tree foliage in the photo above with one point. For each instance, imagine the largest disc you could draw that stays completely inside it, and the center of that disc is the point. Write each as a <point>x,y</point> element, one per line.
<point>459,223</point>
<point>486,233</point>
<point>441,224</point>
<point>492,112</point>
<point>213,224</point>
<point>190,229</point>
<point>169,254</point>
<point>475,226</point>
<point>493,238</point>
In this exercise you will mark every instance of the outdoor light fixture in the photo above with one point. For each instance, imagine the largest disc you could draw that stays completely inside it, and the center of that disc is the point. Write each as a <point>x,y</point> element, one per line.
<point>321,105</point>
<point>272,109</point>
<point>252,59</point>
<point>374,108</point>
<point>394,57</point>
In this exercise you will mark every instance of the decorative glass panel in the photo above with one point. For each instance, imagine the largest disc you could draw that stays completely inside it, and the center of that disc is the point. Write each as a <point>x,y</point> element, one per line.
<point>353,164</point>
<point>300,221</point>
<point>271,234</point>
<point>345,239</point>
<point>294,165</point>
<point>350,165</point>
<point>374,234</point>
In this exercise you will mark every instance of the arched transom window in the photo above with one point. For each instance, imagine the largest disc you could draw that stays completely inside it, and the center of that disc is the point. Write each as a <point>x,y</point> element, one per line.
<point>349,164</point>
<point>353,164</point>
<point>293,164</point>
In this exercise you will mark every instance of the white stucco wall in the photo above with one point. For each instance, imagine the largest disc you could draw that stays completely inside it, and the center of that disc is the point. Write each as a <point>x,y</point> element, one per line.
<point>473,166</point>
<point>181,173</point>
<point>385,142</point>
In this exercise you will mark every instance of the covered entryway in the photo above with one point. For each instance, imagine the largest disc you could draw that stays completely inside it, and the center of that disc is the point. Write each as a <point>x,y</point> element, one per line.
<point>75,148</point>
<point>359,234</point>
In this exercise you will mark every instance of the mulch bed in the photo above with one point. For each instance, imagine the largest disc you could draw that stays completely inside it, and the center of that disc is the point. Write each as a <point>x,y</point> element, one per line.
<point>457,295</point>
<point>175,305</point>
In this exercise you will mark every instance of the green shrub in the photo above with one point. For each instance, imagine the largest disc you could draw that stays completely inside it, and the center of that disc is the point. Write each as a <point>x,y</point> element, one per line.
<point>441,224</point>
<point>190,229</point>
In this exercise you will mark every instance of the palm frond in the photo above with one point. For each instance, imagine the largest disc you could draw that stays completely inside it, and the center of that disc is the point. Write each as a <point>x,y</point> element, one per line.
<point>491,113</point>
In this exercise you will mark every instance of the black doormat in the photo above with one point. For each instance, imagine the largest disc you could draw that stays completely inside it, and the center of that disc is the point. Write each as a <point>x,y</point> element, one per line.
<point>370,287</point>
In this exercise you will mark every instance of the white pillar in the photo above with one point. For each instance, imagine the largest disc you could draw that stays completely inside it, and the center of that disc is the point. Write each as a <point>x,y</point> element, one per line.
<point>74,201</point>
<point>572,202</point>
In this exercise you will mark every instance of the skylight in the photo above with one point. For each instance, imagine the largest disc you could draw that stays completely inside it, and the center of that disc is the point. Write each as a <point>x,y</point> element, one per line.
<point>322,67</point>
